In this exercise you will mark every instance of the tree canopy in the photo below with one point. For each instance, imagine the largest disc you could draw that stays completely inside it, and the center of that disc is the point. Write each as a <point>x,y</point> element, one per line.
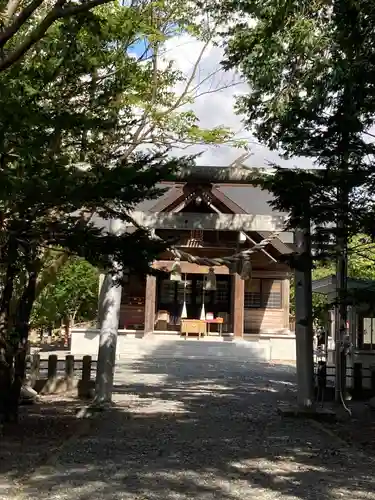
<point>310,67</point>
<point>24,23</point>
<point>73,296</point>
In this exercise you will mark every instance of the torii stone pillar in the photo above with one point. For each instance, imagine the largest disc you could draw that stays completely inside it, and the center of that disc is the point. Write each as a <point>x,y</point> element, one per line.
<point>109,316</point>
<point>304,327</point>
<point>238,303</point>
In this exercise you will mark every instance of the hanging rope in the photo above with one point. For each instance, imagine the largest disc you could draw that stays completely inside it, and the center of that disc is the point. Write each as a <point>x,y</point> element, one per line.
<point>226,261</point>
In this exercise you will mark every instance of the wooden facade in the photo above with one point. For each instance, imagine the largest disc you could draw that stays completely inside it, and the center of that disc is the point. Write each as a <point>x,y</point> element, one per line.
<point>253,306</point>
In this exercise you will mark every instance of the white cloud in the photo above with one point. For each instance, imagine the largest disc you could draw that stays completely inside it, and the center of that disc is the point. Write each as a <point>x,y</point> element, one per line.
<point>216,108</point>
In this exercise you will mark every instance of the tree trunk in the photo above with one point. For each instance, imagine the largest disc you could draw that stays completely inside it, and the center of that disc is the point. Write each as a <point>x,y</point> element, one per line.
<point>6,348</point>
<point>67,330</point>
<point>6,377</point>
<point>7,294</point>
<point>21,326</point>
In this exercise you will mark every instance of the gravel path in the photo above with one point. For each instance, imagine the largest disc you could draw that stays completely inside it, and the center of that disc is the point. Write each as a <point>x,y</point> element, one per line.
<point>203,429</point>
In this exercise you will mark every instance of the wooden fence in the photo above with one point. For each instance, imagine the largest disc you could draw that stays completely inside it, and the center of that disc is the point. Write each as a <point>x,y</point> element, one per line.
<point>53,375</point>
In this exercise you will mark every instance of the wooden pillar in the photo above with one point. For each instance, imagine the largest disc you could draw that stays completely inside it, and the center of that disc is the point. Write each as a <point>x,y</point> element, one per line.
<point>238,303</point>
<point>150,304</point>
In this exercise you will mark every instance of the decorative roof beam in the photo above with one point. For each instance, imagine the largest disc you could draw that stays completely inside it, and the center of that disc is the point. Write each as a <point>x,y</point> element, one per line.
<point>233,174</point>
<point>208,222</point>
<point>218,175</point>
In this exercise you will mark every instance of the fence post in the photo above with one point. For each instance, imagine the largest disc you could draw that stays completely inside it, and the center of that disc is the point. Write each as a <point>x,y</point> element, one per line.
<point>84,383</point>
<point>69,371</point>
<point>50,386</point>
<point>52,367</point>
<point>86,368</point>
<point>321,380</point>
<point>35,368</point>
<point>357,379</point>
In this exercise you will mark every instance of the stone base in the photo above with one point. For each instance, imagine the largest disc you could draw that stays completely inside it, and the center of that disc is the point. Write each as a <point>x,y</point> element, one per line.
<point>315,412</point>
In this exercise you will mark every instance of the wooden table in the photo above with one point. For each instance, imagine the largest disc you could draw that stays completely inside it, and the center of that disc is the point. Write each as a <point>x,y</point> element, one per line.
<point>215,321</point>
<point>193,326</point>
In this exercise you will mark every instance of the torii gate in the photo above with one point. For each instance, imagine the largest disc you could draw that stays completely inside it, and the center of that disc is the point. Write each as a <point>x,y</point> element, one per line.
<point>110,293</point>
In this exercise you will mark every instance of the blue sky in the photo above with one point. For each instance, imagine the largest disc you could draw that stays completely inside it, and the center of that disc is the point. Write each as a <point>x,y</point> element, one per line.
<point>140,49</point>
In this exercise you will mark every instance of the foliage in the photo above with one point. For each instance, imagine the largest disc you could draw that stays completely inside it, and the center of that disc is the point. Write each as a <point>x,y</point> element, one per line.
<point>88,94</point>
<point>73,296</point>
<point>361,259</point>
<point>310,66</point>
<point>23,24</point>
<point>85,133</point>
<point>63,173</point>
<point>83,97</point>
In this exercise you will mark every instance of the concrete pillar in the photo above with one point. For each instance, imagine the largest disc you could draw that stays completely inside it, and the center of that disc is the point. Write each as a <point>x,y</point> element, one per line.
<point>285,293</point>
<point>304,327</point>
<point>238,304</point>
<point>109,314</point>
<point>150,304</point>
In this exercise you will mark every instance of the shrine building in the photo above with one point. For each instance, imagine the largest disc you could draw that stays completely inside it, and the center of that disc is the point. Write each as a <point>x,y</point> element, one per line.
<point>212,214</point>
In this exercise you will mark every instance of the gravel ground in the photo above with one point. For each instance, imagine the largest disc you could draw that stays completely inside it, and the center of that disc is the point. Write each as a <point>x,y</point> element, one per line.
<point>41,429</point>
<point>203,429</point>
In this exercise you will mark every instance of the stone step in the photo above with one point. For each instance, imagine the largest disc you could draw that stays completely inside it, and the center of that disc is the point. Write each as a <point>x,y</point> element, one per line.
<point>194,349</point>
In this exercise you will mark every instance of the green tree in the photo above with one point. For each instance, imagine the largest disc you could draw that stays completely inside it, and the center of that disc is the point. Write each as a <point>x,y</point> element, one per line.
<point>361,260</point>
<point>65,108</point>
<point>77,115</point>
<point>310,68</point>
<point>72,298</point>
<point>158,100</point>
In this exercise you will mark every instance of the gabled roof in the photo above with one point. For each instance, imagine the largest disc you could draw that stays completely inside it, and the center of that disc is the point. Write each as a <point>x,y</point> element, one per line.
<point>251,199</point>
<point>178,192</point>
<point>239,198</point>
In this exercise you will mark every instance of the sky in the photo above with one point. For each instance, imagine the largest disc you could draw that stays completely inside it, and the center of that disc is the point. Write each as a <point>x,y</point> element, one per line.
<point>215,109</point>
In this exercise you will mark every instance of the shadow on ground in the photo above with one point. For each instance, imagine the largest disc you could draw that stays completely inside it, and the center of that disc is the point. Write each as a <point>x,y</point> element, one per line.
<point>42,427</point>
<point>206,429</point>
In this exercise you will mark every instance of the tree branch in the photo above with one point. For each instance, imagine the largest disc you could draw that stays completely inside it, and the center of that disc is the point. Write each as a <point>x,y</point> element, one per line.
<point>11,9</point>
<point>58,12</point>
<point>78,9</point>
<point>20,20</point>
<point>36,34</point>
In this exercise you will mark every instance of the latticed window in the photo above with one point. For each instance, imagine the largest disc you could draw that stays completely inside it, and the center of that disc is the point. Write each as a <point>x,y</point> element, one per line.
<point>167,291</point>
<point>253,298</point>
<point>182,291</point>
<point>222,292</point>
<point>263,293</point>
<point>271,294</point>
<point>366,332</point>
